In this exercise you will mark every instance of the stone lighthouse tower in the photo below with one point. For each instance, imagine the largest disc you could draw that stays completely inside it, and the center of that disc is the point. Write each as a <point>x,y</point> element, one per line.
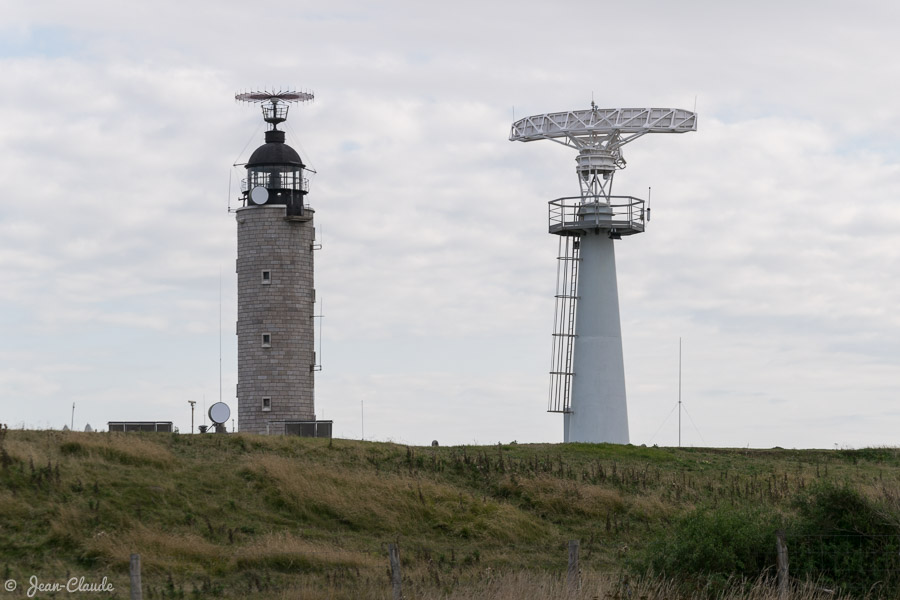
<point>276,295</point>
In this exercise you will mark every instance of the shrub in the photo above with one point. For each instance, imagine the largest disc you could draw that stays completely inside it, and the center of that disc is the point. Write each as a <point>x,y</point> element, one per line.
<point>710,546</point>
<point>846,541</point>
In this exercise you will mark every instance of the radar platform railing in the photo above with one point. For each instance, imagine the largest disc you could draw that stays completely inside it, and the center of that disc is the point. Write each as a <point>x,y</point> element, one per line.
<point>575,215</point>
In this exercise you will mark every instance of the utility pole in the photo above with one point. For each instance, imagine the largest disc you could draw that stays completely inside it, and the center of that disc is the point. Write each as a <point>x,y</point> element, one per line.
<point>192,403</point>
<point>72,425</point>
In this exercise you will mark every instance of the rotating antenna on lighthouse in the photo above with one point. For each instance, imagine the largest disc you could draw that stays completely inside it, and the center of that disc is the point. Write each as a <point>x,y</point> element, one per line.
<point>275,105</point>
<point>274,96</point>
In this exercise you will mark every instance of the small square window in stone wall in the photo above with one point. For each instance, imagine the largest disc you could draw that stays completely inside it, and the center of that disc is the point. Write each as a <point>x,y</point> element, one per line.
<point>267,340</point>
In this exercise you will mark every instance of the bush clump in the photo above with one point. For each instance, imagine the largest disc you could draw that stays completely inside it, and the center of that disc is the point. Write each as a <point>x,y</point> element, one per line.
<point>846,541</point>
<point>837,537</point>
<point>714,545</point>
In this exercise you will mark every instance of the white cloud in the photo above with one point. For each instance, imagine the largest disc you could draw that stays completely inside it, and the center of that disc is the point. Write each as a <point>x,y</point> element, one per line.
<point>771,249</point>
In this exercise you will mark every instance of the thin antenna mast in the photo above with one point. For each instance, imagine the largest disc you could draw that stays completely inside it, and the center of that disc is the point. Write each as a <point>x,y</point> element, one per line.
<point>220,334</point>
<point>679,392</point>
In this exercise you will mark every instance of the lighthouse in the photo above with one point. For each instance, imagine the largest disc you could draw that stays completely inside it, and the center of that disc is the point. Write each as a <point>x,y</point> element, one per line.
<point>276,292</point>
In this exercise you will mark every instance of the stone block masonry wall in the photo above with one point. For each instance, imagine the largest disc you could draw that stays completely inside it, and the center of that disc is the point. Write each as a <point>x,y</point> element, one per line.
<point>281,307</point>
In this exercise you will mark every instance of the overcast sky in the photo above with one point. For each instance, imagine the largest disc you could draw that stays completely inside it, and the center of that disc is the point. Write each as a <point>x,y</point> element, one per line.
<point>774,249</point>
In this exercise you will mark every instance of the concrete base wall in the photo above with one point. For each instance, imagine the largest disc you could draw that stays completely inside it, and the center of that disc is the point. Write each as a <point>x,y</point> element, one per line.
<point>281,308</point>
<point>599,407</point>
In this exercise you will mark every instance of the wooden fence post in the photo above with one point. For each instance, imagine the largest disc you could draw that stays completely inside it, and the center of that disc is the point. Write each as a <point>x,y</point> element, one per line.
<point>135,571</point>
<point>781,567</point>
<point>572,577</point>
<point>394,554</point>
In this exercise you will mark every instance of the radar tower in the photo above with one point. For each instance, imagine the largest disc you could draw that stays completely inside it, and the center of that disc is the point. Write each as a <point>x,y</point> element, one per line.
<point>587,373</point>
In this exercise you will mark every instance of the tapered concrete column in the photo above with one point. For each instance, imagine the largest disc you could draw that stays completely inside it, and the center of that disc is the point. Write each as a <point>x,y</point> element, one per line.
<point>599,408</point>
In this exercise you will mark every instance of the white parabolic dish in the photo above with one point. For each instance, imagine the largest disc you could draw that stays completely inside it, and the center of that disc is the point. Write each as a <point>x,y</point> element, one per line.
<point>259,195</point>
<point>219,413</point>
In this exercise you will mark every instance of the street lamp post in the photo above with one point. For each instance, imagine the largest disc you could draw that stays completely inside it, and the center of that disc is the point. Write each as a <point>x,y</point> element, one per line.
<point>192,403</point>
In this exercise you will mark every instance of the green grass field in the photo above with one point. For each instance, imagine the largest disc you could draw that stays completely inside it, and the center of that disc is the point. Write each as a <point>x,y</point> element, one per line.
<point>283,517</point>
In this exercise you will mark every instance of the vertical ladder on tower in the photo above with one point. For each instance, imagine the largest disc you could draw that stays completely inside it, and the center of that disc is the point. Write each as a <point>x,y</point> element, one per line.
<point>561,372</point>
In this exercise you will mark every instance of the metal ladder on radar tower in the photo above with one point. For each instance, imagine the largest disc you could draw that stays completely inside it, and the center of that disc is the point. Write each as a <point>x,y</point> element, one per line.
<point>561,372</point>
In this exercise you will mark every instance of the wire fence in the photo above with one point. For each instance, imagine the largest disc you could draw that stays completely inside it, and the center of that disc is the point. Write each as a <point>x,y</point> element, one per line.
<point>810,567</point>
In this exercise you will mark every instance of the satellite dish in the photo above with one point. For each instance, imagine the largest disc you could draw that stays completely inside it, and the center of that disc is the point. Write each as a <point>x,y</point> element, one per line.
<point>219,413</point>
<point>259,195</point>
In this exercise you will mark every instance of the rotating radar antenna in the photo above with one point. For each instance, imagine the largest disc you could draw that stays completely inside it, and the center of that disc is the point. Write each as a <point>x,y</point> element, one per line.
<point>599,134</point>
<point>274,103</point>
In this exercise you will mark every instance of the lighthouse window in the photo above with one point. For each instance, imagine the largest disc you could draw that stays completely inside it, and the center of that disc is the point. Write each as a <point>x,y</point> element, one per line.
<point>267,340</point>
<point>267,404</point>
<point>266,277</point>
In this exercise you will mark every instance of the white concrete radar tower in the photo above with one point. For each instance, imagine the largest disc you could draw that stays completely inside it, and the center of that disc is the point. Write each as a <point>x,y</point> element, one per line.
<point>587,375</point>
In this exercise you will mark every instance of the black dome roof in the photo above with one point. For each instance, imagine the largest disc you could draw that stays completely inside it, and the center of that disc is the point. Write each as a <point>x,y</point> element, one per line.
<point>274,152</point>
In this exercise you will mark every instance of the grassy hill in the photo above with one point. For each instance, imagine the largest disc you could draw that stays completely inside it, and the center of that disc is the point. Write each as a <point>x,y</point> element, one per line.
<point>284,517</point>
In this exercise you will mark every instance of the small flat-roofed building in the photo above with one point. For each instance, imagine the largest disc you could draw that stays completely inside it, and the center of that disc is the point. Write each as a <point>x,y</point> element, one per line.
<point>321,429</point>
<point>152,426</point>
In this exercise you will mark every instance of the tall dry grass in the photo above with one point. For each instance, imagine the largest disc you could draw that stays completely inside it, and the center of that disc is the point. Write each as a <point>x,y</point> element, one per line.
<point>311,518</point>
<point>286,552</point>
<point>531,585</point>
<point>388,501</point>
<point>161,551</point>
<point>121,448</point>
<point>41,447</point>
